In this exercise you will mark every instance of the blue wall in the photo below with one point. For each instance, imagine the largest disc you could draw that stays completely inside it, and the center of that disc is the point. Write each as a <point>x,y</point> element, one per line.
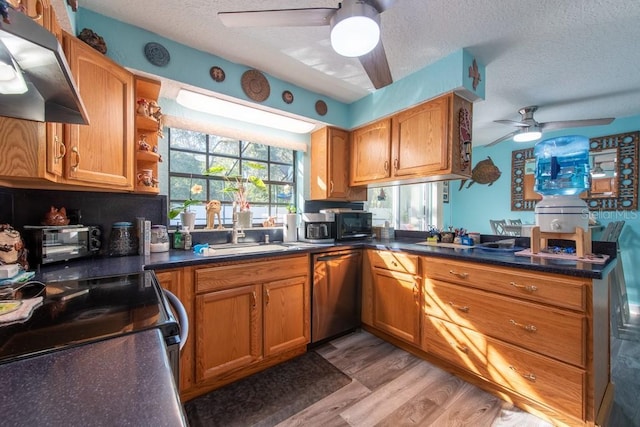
<point>472,208</point>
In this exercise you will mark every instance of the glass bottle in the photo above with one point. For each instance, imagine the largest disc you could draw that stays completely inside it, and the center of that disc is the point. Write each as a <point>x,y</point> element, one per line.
<point>178,243</point>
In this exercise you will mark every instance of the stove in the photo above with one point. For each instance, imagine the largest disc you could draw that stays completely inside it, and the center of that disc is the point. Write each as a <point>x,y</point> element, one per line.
<point>80,312</point>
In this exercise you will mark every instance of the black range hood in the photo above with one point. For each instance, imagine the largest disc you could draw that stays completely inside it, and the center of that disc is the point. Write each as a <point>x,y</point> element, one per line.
<point>51,94</point>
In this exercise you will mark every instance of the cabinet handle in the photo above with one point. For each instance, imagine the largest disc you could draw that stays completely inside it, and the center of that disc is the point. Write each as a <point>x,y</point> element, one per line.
<point>60,148</point>
<point>416,293</point>
<point>74,167</point>
<point>528,328</point>
<point>254,299</point>
<point>529,376</point>
<point>528,288</point>
<point>39,9</point>
<point>463,348</point>
<point>395,164</point>
<point>462,308</point>
<point>460,275</point>
<point>331,187</point>
<point>386,165</point>
<point>268,297</point>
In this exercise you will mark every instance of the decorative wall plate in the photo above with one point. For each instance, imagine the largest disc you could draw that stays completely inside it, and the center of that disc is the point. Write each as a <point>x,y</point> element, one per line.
<point>156,54</point>
<point>321,107</point>
<point>255,85</point>
<point>217,74</point>
<point>287,97</point>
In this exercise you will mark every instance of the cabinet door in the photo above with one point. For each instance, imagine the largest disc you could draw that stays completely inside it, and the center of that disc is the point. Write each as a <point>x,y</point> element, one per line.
<point>370,153</point>
<point>227,327</point>
<point>286,314</point>
<point>420,139</point>
<point>330,166</point>
<point>100,153</point>
<point>396,304</point>
<point>56,147</point>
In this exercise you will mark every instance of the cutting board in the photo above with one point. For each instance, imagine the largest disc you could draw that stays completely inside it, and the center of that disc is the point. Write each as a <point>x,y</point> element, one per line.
<point>566,257</point>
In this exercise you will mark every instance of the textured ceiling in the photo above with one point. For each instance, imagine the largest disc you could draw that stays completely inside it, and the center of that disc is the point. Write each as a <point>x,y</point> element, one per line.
<point>576,59</point>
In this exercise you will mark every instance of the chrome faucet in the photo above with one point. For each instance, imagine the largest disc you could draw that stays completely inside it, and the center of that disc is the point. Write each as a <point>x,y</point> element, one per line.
<point>235,230</point>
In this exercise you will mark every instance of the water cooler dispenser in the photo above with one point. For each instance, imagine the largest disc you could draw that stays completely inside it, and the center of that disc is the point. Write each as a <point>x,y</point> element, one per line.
<point>562,173</point>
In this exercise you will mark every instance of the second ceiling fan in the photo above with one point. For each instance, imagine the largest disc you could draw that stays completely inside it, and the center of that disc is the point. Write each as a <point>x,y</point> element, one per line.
<point>364,15</point>
<point>530,130</point>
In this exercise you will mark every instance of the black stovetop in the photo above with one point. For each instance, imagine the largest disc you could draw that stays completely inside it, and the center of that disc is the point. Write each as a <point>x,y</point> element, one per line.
<point>84,311</point>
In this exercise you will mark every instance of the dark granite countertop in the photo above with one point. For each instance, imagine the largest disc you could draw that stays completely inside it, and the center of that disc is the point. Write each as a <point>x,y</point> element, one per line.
<point>99,267</point>
<point>124,381</point>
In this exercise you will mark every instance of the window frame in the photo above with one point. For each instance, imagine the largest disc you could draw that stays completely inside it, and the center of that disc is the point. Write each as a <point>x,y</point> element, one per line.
<point>273,207</point>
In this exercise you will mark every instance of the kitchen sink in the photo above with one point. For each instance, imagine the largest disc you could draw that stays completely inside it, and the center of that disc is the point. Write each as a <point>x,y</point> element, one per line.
<point>244,248</point>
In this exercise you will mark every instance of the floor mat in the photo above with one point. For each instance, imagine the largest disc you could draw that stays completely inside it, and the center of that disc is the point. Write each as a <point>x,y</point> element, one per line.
<point>268,397</point>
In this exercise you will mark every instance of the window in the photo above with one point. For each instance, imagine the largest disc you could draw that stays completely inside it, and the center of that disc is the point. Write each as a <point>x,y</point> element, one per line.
<point>405,207</point>
<point>192,153</point>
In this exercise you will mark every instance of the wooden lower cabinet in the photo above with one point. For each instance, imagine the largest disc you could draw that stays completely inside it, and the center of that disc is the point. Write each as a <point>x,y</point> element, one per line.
<point>286,314</point>
<point>539,340</point>
<point>395,294</point>
<point>244,316</point>
<point>227,330</point>
<point>552,383</point>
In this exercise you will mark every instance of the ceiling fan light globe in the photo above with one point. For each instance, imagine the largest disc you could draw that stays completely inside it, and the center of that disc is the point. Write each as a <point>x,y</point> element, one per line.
<point>527,136</point>
<point>355,29</point>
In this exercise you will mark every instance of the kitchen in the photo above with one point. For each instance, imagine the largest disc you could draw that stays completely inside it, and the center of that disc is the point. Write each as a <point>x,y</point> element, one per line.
<point>118,35</point>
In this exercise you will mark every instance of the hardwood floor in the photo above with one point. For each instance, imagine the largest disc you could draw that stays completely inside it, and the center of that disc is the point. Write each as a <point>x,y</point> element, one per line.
<point>394,388</point>
<point>391,387</point>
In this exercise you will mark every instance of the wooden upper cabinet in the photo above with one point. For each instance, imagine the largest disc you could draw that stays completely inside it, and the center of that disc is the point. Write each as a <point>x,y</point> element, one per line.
<point>37,10</point>
<point>100,153</point>
<point>370,153</point>
<point>330,167</point>
<point>420,136</point>
<point>421,144</point>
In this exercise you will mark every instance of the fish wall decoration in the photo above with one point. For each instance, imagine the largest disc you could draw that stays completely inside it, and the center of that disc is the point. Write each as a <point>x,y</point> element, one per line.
<point>484,172</point>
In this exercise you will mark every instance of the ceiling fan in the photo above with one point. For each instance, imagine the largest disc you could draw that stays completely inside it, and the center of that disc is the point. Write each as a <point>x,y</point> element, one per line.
<point>365,13</point>
<point>530,129</point>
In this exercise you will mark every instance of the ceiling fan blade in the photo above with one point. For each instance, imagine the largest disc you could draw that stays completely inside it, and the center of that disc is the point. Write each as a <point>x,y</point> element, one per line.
<point>381,5</point>
<point>504,138</point>
<point>278,18</point>
<point>376,65</point>
<point>575,123</point>
<point>513,123</point>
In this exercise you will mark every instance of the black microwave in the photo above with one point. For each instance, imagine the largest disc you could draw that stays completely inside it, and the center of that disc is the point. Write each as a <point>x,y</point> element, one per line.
<point>353,225</point>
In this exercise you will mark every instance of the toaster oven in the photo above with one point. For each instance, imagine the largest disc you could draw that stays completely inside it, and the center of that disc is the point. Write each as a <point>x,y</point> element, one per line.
<point>47,244</point>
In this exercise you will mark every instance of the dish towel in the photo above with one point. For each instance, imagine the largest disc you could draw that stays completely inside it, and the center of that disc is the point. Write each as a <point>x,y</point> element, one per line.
<point>23,312</point>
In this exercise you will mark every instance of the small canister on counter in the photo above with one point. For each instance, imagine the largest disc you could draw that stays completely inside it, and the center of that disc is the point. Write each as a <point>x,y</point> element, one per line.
<point>123,240</point>
<point>475,237</point>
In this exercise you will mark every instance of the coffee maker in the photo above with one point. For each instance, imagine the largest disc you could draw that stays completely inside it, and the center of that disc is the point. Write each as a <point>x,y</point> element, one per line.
<point>317,228</point>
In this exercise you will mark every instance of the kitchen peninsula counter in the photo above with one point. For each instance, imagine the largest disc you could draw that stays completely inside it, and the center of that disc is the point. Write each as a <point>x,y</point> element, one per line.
<point>119,381</point>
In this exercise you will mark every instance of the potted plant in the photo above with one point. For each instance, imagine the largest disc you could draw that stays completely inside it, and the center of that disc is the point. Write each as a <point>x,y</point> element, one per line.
<point>237,187</point>
<point>187,217</point>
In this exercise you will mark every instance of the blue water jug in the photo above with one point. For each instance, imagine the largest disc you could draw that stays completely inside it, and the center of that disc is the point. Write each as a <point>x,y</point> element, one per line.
<point>562,165</point>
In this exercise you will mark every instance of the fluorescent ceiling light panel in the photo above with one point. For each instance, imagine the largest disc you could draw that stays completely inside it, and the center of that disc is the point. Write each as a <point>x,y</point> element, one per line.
<point>231,110</point>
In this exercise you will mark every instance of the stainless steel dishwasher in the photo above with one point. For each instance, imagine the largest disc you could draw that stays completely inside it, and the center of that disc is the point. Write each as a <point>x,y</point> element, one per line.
<point>336,293</point>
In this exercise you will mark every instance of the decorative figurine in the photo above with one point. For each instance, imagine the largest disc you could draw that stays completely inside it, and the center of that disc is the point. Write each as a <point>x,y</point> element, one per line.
<point>143,107</point>
<point>143,145</point>
<point>56,217</point>
<point>213,210</point>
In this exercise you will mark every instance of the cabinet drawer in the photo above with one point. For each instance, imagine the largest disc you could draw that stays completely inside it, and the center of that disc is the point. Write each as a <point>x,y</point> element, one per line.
<point>245,273</point>
<point>556,333</point>
<point>561,291</point>
<point>395,261</point>
<point>539,378</point>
